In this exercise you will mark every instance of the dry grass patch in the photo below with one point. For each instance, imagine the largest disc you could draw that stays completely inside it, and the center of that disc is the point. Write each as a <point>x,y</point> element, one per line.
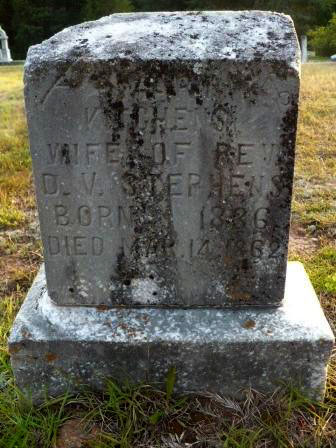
<point>314,201</point>
<point>15,171</point>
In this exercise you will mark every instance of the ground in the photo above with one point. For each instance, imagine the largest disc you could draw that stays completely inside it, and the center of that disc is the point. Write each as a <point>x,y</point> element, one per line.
<point>127,416</point>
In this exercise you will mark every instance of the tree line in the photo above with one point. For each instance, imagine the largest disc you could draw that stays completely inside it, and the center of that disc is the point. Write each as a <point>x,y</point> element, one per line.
<point>28,22</point>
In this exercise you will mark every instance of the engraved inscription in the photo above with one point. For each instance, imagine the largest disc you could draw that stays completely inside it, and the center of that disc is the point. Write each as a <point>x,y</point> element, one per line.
<point>180,152</point>
<point>75,245</point>
<point>100,216</point>
<point>64,153</point>
<point>198,248</point>
<point>50,184</point>
<point>181,186</point>
<point>167,184</point>
<point>90,115</point>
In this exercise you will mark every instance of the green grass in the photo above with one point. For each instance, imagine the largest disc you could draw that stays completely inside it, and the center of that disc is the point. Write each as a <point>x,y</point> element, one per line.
<point>322,269</point>
<point>313,58</point>
<point>143,416</point>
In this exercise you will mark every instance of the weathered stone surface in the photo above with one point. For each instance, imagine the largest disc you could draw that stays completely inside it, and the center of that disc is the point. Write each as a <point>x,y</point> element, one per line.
<point>223,351</point>
<point>163,152</point>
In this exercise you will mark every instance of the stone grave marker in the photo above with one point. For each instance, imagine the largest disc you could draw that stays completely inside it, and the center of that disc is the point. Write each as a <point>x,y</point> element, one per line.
<point>5,55</point>
<point>164,172</point>
<point>163,156</point>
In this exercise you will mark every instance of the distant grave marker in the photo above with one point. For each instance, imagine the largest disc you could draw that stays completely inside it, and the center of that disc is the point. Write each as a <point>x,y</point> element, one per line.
<point>304,49</point>
<point>5,55</point>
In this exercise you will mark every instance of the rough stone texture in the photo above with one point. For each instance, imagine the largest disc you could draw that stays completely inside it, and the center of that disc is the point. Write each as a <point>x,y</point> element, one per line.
<point>5,55</point>
<point>223,351</point>
<point>163,152</point>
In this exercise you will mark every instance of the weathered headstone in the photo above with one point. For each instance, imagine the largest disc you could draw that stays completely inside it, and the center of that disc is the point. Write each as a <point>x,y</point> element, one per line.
<point>164,170</point>
<point>5,55</point>
<point>163,152</point>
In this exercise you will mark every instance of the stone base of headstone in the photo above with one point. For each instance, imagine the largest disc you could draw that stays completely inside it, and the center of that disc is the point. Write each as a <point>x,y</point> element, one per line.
<point>56,349</point>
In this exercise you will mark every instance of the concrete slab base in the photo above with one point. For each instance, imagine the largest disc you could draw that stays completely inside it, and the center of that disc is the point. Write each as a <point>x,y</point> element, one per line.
<point>56,349</point>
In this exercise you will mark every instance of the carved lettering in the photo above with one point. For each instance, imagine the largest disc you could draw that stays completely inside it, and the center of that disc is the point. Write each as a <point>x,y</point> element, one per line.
<point>92,152</point>
<point>53,86</point>
<point>260,218</point>
<point>191,249</point>
<point>240,154</point>
<point>204,248</point>
<point>97,246</point>
<point>145,115</point>
<point>61,215</point>
<point>257,249</point>
<point>194,181</point>
<point>198,248</point>
<point>90,114</point>
<point>54,247</point>
<point>256,186</point>
<point>179,151</point>
<point>284,98</point>
<point>124,218</point>
<point>182,115</point>
<point>75,245</point>
<point>67,246</point>
<point>275,246</point>
<point>89,180</point>
<point>50,184</point>
<point>111,153</point>
<point>238,216</point>
<point>236,184</point>
<point>243,154</point>
<point>175,184</point>
<point>104,216</point>
<point>217,213</point>
<point>52,152</point>
<point>219,118</point>
<point>202,219</point>
<point>79,245</point>
<point>239,246</point>
<point>159,153</point>
<point>84,215</point>
<point>276,181</point>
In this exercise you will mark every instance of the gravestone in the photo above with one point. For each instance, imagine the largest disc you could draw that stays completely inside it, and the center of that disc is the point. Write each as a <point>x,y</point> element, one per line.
<point>163,156</point>
<point>304,48</point>
<point>5,55</point>
<point>165,176</point>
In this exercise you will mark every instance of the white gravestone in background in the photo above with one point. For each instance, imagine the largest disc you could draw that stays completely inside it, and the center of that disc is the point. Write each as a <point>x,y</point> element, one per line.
<point>304,49</point>
<point>5,55</point>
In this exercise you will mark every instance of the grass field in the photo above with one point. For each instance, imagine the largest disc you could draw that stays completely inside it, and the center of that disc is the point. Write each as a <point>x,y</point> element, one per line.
<point>127,416</point>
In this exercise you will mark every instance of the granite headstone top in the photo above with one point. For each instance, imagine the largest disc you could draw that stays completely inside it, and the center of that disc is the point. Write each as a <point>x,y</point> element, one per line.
<point>163,153</point>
